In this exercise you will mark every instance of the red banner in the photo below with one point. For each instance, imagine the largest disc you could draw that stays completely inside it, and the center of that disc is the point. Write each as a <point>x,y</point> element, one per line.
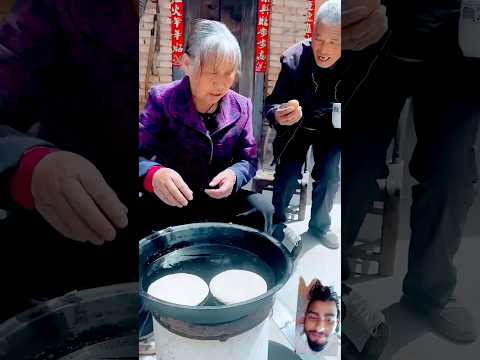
<point>263,26</point>
<point>310,19</point>
<point>177,30</point>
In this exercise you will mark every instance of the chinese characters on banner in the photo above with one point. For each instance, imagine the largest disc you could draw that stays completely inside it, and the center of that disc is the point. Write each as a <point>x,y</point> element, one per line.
<point>177,30</point>
<point>263,24</point>
<point>310,19</point>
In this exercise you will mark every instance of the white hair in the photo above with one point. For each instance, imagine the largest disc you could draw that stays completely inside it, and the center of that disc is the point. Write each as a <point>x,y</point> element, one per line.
<point>210,38</point>
<point>329,13</point>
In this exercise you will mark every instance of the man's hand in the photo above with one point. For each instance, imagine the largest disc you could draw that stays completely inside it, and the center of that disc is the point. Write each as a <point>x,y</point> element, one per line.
<point>289,113</point>
<point>364,22</point>
<point>170,188</point>
<point>73,197</point>
<point>225,182</point>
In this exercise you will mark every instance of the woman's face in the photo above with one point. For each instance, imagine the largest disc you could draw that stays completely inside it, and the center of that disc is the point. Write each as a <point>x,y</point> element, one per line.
<point>210,83</point>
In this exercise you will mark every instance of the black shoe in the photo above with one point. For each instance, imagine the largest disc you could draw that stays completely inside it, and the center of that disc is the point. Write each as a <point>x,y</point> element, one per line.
<point>454,321</point>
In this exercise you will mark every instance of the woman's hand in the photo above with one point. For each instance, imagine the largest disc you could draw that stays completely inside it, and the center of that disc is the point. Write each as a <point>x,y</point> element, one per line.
<point>169,186</point>
<point>225,181</point>
<point>289,113</point>
<point>74,198</point>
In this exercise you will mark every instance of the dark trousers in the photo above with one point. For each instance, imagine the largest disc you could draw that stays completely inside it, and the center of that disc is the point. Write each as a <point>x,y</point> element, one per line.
<point>446,111</point>
<point>242,208</point>
<point>325,174</point>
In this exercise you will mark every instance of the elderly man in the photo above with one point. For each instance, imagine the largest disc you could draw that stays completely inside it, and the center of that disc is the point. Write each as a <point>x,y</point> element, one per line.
<point>300,108</point>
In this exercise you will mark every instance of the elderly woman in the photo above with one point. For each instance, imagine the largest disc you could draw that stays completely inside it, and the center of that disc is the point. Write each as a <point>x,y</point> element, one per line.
<point>197,148</point>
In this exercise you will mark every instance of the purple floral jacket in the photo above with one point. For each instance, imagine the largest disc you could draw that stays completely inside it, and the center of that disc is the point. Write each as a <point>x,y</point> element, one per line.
<point>173,134</point>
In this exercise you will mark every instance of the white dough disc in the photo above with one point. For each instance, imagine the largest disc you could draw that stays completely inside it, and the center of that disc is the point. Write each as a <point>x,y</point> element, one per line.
<point>234,286</point>
<point>180,289</point>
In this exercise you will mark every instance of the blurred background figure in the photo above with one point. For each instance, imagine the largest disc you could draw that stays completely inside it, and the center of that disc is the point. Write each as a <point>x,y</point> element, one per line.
<point>411,61</point>
<point>68,104</point>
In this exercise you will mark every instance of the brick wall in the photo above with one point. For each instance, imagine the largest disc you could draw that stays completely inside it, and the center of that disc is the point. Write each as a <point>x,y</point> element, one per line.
<point>162,59</point>
<point>287,27</point>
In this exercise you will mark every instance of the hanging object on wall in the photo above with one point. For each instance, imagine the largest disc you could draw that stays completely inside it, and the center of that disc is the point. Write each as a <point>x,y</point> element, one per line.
<point>177,30</point>
<point>262,39</point>
<point>310,19</point>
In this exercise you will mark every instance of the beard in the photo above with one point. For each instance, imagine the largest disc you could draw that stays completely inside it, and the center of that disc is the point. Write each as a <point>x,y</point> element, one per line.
<point>315,346</point>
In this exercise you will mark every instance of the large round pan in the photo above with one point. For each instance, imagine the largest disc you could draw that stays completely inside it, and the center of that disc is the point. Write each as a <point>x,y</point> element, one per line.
<point>207,249</point>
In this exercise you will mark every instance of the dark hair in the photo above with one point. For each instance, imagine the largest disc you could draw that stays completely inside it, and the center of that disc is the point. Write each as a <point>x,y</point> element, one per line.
<point>318,292</point>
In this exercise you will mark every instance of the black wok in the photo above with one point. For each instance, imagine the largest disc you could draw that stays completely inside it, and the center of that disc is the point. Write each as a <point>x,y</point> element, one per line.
<point>207,249</point>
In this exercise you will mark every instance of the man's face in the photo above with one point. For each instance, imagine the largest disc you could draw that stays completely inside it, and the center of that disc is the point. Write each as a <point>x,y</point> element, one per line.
<point>327,44</point>
<point>320,322</point>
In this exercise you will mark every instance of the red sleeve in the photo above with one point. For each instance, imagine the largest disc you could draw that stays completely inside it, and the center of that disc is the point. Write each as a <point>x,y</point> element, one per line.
<point>147,183</point>
<point>21,183</point>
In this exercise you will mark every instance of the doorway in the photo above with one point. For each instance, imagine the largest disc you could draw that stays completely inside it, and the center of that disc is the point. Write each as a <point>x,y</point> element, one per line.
<point>240,17</point>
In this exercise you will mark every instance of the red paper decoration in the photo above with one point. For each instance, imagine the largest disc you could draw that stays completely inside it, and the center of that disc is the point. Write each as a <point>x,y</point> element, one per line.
<point>177,30</point>
<point>310,19</point>
<point>263,26</point>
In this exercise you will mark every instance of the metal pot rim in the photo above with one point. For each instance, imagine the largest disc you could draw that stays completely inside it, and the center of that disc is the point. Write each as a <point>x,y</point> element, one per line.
<point>270,293</point>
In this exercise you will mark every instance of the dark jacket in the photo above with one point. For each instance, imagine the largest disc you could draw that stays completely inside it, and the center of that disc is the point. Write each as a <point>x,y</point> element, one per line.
<point>424,29</point>
<point>302,79</point>
<point>315,88</point>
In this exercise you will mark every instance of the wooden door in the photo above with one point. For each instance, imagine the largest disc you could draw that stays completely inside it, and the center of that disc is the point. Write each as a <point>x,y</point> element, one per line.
<point>240,18</point>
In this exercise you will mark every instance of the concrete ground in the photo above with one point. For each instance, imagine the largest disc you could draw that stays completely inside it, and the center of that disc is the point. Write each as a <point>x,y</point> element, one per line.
<point>411,336</point>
